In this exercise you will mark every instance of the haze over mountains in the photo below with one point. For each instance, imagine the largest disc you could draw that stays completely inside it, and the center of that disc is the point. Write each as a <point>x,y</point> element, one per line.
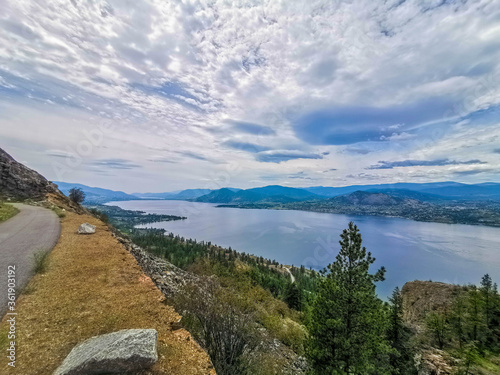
<point>425,192</point>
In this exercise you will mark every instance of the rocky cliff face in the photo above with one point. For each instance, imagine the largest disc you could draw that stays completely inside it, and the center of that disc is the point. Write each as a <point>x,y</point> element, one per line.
<point>423,297</point>
<point>20,182</point>
<point>419,299</point>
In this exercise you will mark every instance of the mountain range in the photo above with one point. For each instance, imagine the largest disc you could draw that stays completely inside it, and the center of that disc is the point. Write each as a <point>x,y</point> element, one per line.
<point>267,194</point>
<point>95,195</point>
<point>425,192</point>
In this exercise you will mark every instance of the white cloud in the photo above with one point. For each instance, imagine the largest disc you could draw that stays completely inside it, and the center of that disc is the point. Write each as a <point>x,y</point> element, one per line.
<point>166,73</point>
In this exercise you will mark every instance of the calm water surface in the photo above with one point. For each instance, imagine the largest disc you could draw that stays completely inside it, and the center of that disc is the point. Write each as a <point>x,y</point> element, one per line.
<point>409,250</point>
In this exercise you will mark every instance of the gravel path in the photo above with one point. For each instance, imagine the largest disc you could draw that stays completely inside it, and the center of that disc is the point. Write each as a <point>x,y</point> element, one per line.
<point>291,275</point>
<point>31,230</point>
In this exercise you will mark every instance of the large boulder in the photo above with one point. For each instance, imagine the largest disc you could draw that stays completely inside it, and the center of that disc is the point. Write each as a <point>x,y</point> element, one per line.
<point>114,353</point>
<point>86,228</point>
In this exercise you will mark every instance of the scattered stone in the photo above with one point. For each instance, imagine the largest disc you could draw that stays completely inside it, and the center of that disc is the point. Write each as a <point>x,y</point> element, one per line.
<point>86,228</point>
<point>114,353</point>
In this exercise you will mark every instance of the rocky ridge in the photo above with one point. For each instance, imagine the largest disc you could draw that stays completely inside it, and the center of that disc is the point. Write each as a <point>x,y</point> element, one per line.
<point>422,297</point>
<point>167,277</point>
<point>20,182</point>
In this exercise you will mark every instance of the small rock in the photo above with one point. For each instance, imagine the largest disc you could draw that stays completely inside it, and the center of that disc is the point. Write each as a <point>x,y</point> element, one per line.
<point>86,228</point>
<point>114,353</point>
<point>174,326</point>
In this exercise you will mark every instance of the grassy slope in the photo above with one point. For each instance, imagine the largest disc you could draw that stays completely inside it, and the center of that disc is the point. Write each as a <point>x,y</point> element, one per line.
<point>94,286</point>
<point>7,211</point>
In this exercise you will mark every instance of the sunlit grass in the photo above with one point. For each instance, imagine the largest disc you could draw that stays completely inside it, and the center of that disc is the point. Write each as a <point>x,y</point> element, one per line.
<point>88,286</point>
<point>7,211</point>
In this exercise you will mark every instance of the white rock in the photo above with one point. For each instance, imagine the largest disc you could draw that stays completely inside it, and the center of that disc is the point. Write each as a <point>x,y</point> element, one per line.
<point>114,353</point>
<point>86,228</point>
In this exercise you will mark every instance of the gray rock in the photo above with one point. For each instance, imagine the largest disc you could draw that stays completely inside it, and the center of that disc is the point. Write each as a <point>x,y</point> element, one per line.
<point>114,353</point>
<point>20,182</point>
<point>86,228</point>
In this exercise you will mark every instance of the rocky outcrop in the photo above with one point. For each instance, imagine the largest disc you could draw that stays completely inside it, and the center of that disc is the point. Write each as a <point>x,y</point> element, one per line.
<point>423,297</point>
<point>114,353</point>
<point>433,361</point>
<point>86,228</point>
<point>167,277</point>
<point>20,182</point>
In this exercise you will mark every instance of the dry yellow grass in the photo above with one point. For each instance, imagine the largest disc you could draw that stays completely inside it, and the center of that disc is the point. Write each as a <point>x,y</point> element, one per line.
<point>94,286</point>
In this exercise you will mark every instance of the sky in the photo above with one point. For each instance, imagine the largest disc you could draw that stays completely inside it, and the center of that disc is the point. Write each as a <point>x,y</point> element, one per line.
<point>157,95</point>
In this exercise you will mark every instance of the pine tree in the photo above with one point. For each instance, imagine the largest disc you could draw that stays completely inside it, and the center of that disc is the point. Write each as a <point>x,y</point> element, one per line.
<point>348,322</point>
<point>293,296</point>
<point>486,291</point>
<point>459,320</point>
<point>438,328</point>
<point>475,320</point>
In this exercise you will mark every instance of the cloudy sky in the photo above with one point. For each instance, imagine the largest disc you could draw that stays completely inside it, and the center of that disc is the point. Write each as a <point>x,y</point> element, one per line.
<point>158,95</point>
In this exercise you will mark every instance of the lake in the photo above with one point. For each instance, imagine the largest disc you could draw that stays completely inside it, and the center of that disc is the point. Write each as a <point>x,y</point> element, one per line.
<point>410,250</point>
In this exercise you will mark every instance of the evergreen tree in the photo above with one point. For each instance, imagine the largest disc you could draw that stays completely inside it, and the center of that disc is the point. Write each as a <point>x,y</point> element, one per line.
<point>438,328</point>
<point>399,336</point>
<point>348,322</point>
<point>475,317</point>
<point>486,291</point>
<point>459,320</point>
<point>293,296</point>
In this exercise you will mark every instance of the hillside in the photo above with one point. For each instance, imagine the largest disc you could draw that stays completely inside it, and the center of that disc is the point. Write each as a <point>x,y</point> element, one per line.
<point>93,286</point>
<point>431,191</point>
<point>218,196</point>
<point>451,329</point>
<point>266,194</point>
<point>86,286</point>
<point>20,182</point>
<point>404,205</point>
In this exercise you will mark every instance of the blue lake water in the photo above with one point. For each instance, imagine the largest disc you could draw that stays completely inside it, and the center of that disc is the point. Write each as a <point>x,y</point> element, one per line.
<point>409,250</point>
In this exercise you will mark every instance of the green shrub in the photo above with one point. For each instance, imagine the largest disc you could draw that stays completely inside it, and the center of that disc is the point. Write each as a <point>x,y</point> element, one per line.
<point>40,261</point>
<point>7,211</point>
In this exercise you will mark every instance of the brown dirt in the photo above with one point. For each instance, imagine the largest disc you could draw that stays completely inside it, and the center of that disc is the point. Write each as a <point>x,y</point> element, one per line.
<point>94,286</point>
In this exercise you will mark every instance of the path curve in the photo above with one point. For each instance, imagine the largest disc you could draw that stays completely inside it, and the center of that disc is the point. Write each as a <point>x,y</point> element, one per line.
<point>292,278</point>
<point>31,230</point>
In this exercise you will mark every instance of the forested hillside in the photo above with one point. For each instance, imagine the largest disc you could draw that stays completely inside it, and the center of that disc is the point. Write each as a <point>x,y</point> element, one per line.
<point>334,318</point>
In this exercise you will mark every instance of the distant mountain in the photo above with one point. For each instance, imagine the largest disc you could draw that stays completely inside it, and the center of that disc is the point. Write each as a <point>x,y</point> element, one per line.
<point>364,198</point>
<point>410,194</point>
<point>266,194</point>
<point>448,190</point>
<point>277,190</point>
<point>188,194</point>
<point>223,195</point>
<point>467,192</point>
<point>405,205</point>
<point>176,195</point>
<point>94,195</point>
